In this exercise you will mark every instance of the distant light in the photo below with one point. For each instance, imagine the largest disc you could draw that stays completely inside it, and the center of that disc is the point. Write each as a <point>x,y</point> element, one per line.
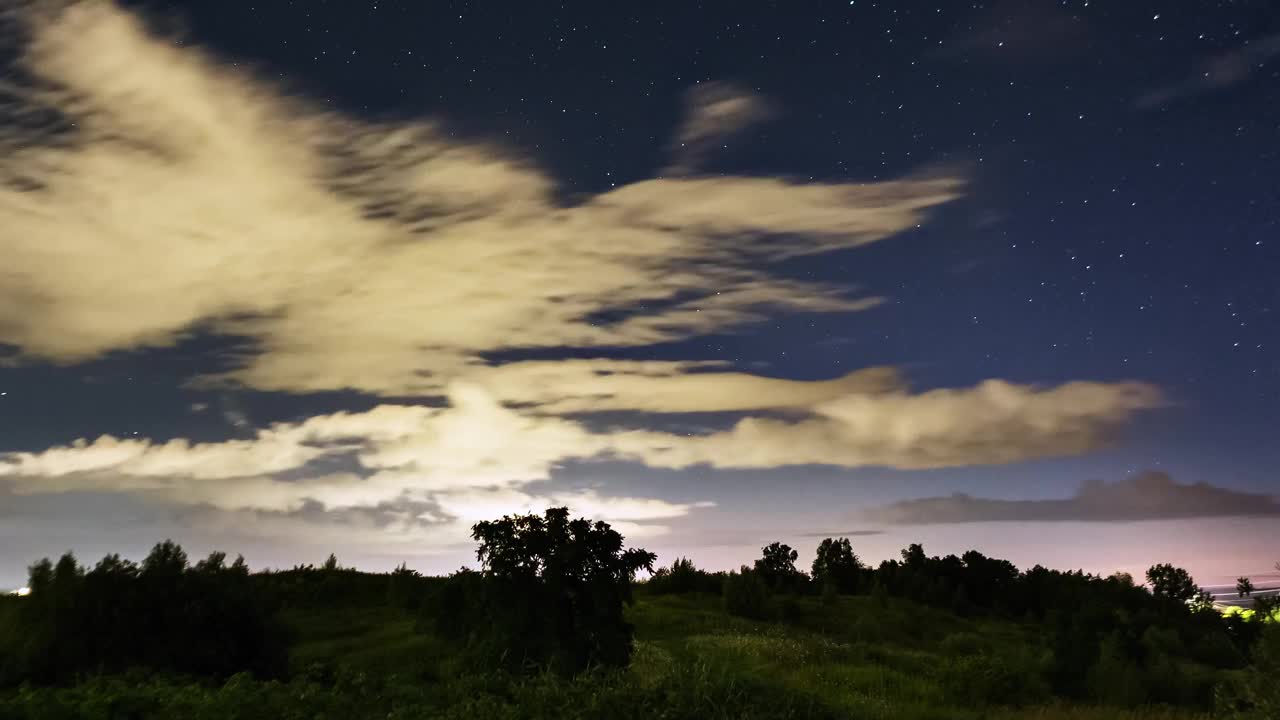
<point>21,592</point>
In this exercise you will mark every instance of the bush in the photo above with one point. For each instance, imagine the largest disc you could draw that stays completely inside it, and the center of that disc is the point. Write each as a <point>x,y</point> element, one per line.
<point>684,577</point>
<point>962,643</point>
<point>746,595</point>
<point>1255,693</point>
<point>405,588</point>
<point>984,679</point>
<point>1116,679</point>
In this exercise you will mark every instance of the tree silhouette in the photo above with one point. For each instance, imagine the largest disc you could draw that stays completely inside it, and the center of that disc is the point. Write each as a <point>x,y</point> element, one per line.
<point>1244,587</point>
<point>203,620</point>
<point>1172,583</point>
<point>330,563</point>
<point>777,567</point>
<point>550,593</point>
<point>837,566</point>
<point>913,556</point>
<point>684,577</point>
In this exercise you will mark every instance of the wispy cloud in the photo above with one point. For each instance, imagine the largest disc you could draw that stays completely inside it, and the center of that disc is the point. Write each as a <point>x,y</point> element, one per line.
<point>379,257</point>
<point>1218,73</point>
<point>844,533</point>
<point>992,423</point>
<point>717,111</point>
<point>1144,496</point>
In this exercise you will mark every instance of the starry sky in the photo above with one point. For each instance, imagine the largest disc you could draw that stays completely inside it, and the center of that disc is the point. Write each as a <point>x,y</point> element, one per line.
<point>291,278</point>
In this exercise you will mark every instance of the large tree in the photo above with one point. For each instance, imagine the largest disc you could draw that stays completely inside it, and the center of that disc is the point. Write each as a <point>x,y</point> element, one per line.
<point>837,566</point>
<point>1172,582</point>
<point>777,567</point>
<point>550,593</point>
<point>1244,587</point>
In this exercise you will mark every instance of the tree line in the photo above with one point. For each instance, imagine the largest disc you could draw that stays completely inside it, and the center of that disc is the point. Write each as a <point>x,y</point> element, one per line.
<point>550,594</point>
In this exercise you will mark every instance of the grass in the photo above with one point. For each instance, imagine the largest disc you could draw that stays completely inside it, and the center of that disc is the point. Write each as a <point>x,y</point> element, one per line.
<point>856,657</point>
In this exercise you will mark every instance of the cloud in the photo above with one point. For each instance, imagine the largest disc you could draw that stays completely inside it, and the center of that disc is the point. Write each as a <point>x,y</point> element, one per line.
<point>403,453</point>
<point>1144,496</point>
<point>387,258</point>
<point>1218,73</point>
<point>575,386</point>
<point>716,112</point>
<point>843,533</point>
<point>995,422</point>
<point>1020,35</point>
<point>166,194</point>
<point>469,461</point>
<point>477,447</point>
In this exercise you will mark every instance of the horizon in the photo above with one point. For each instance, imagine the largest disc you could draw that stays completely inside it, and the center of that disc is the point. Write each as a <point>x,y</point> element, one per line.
<point>1266,580</point>
<point>292,281</point>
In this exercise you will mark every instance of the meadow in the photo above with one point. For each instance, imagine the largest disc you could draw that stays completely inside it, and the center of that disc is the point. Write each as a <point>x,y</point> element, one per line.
<point>851,657</point>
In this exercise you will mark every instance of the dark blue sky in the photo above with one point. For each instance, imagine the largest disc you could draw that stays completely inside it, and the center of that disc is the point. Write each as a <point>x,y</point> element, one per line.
<point>1120,219</point>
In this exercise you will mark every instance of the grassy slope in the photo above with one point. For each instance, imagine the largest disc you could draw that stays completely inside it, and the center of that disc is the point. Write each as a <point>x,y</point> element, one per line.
<point>856,658</point>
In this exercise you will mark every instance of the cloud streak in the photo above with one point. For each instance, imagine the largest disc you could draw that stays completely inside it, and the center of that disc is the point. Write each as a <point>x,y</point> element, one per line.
<point>1145,496</point>
<point>992,423</point>
<point>716,112</point>
<point>1218,73</point>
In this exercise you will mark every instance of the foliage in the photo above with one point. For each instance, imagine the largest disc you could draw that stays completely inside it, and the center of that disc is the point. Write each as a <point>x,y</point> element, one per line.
<point>777,568</point>
<point>1171,582</point>
<point>1256,692</point>
<point>204,620</point>
<point>1244,587</point>
<point>746,595</point>
<point>550,595</point>
<point>684,577</point>
<point>986,679</point>
<point>405,588</point>
<point>957,636</point>
<point>835,565</point>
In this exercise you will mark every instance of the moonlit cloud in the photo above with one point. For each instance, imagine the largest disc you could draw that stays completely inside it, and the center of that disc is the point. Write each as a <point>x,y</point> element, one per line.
<point>1220,72</point>
<point>573,386</point>
<point>993,423</point>
<point>182,196</point>
<point>383,258</point>
<point>1144,496</point>
<point>405,452</point>
<point>716,112</point>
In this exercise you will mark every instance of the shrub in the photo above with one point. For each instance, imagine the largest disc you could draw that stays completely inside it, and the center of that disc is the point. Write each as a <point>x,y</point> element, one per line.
<point>961,643</point>
<point>684,577</point>
<point>405,588</point>
<point>746,595</point>
<point>1255,693</point>
<point>1115,678</point>
<point>984,679</point>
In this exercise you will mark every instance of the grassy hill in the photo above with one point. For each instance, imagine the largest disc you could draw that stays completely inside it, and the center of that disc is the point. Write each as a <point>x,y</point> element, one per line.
<point>848,657</point>
<point>843,657</point>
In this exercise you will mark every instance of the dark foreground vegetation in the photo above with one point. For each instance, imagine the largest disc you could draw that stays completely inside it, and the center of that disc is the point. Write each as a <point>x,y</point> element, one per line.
<point>554,625</point>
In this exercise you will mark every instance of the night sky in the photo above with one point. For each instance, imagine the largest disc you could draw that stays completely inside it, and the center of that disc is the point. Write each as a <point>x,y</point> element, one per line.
<point>347,277</point>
